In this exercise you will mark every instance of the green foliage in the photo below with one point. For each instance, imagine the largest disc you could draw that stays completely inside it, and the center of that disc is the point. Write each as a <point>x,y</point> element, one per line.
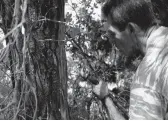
<point>92,57</point>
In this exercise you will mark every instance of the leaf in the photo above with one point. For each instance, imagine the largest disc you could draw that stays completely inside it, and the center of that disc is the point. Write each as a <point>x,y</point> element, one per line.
<point>68,17</point>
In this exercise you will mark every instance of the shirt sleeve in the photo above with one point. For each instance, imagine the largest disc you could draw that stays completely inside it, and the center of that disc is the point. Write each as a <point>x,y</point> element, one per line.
<point>147,104</point>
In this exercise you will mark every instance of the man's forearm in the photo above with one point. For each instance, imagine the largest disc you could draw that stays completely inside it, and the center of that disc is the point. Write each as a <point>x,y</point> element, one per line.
<point>113,111</point>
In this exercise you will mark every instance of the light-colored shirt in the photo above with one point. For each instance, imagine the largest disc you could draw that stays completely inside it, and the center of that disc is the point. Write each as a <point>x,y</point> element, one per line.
<point>149,91</point>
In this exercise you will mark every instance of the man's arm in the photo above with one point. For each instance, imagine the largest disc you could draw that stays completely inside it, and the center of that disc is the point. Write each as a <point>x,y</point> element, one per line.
<point>101,90</point>
<point>112,110</point>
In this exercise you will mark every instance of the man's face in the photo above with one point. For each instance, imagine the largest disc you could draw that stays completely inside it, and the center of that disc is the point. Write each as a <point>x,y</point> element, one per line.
<point>123,40</point>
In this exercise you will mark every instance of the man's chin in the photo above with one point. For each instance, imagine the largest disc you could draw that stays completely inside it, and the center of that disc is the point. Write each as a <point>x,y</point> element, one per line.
<point>126,53</point>
<point>133,54</point>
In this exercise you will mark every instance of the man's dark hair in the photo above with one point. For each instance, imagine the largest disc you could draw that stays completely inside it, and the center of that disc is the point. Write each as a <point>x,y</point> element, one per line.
<point>122,12</point>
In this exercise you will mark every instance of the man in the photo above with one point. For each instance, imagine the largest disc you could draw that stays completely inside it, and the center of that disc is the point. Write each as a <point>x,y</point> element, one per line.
<point>134,28</point>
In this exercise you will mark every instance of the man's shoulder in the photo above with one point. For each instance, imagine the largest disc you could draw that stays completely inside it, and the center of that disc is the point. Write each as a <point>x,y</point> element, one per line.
<point>157,48</point>
<point>153,70</point>
<point>161,33</point>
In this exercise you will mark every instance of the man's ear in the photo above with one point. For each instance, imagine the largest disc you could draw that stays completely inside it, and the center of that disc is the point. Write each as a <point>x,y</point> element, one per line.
<point>133,28</point>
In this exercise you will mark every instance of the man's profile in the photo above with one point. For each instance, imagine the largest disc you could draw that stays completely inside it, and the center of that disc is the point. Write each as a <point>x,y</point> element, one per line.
<point>134,28</point>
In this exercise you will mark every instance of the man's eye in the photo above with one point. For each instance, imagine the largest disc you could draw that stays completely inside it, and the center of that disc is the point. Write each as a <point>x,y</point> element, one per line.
<point>103,20</point>
<point>110,34</point>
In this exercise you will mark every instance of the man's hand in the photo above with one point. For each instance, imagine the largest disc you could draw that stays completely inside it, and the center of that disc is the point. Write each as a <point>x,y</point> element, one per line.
<point>101,90</point>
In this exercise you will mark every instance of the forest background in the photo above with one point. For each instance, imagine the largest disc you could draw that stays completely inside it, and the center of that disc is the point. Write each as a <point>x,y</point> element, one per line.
<point>53,52</point>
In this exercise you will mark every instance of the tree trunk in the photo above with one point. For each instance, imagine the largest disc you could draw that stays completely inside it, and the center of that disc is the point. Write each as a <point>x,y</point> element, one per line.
<point>47,50</point>
<point>38,60</point>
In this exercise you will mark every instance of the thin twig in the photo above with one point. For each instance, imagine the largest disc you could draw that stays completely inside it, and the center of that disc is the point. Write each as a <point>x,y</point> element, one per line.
<point>46,19</point>
<point>50,40</point>
<point>55,21</point>
<point>18,107</point>
<point>10,32</point>
<point>36,100</point>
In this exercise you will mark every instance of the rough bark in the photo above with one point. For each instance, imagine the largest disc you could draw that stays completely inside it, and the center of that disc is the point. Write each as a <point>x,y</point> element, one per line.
<point>38,60</point>
<point>47,50</point>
